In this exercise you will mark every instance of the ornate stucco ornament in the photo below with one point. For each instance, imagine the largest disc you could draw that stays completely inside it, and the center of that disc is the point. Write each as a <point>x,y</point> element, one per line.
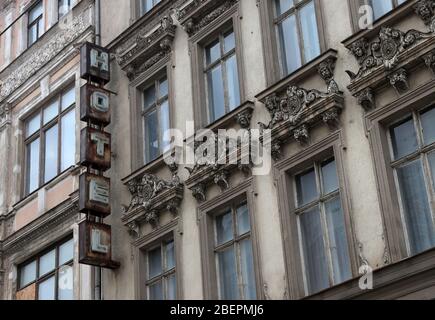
<point>37,59</point>
<point>290,106</point>
<point>194,19</point>
<point>145,47</point>
<point>145,189</point>
<point>384,50</point>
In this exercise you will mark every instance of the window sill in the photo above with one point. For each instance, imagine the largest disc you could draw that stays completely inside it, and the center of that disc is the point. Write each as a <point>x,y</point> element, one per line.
<point>152,166</point>
<point>411,274</point>
<point>72,171</point>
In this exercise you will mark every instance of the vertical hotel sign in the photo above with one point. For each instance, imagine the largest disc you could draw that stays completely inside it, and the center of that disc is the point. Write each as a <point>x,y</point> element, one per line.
<point>95,247</point>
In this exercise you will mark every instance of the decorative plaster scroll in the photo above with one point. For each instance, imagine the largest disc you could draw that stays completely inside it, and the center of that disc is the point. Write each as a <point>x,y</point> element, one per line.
<point>138,53</point>
<point>390,43</point>
<point>145,189</point>
<point>61,39</point>
<point>291,105</point>
<point>193,20</point>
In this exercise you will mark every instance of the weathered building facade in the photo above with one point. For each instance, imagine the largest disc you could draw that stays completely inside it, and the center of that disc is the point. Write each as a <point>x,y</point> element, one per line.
<point>348,108</point>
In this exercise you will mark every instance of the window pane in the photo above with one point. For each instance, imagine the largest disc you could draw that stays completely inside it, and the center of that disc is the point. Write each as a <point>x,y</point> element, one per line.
<point>33,125</point>
<point>32,34</point>
<point>228,275</point>
<point>172,288</point>
<point>283,5</point>
<point>216,93</point>
<point>35,12</point>
<point>33,166</point>
<point>46,289</point>
<point>170,255</point>
<point>431,158</point>
<point>338,241</point>
<point>40,27</point>
<point>64,7</point>
<point>165,126</point>
<point>68,98</point>
<point>163,88</point>
<point>47,263</point>
<point>213,52</point>
<point>306,187</point>
<point>224,228</point>
<point>68,140</point>
<point>27,274</point>
<point>381,7</point>
<point>243,223</point>
<point>418,218</point>
<point>51,112</point>
<point>156,291</point>
<point>329,177</point>
<point>229,42</point>
<point>233,83</point>
<point>66,284</point>
<point>289,44</point>
<point>427,122</point>
<point>155,263</point>
<point>404,139</point>
<point>316,266</point>
<point>66,252</point>
<point>248,274</point>
<point>149,97</point>
<point>152,150</point>
<point>51,152</point>
<point>310,32</point>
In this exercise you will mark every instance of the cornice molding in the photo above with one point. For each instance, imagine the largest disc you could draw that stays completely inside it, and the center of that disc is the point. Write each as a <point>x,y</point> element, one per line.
<point>16,241</point>
<point>44,54</point>
<point>295,110</point>
<point>391,55</point>
<point>146,47</point>
<point>196,14</point>
<point>151,196</point>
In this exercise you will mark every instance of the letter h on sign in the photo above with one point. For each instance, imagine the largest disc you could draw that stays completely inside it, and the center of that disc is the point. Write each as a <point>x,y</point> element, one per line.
<point>95,63</point>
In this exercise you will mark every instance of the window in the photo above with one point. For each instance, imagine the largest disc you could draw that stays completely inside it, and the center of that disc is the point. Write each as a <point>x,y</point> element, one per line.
<point>382,7</point>
<point>161,278</point>
<point>412,143</point>
<point>321,224</point>
<point>147,5</point>
<point>50,141</point>
<point>64,6</point>
<point>35,24</point>
<point>51,273</point>
<point>222,77</point>
<point>297,31</point>
<point>156,119</point>
<point>234,255</point>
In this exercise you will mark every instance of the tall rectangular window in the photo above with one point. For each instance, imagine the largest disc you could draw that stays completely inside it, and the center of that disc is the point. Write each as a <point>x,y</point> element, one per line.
<point>413,154</point>
<point>35,26</point>
<point>221,76</point>
<point>161,280</point>
<point>147,5</point>
<point>322,231</point>
<point>50,141</point>
<point>234,255</point>
<point>51,273</point>
<point>64,6</point>
<point>297,31</point>
<point>382,7</point>
<point>156,117</point>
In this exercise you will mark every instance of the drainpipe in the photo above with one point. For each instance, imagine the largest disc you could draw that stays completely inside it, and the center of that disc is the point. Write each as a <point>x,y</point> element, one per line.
<point>98,290</point>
